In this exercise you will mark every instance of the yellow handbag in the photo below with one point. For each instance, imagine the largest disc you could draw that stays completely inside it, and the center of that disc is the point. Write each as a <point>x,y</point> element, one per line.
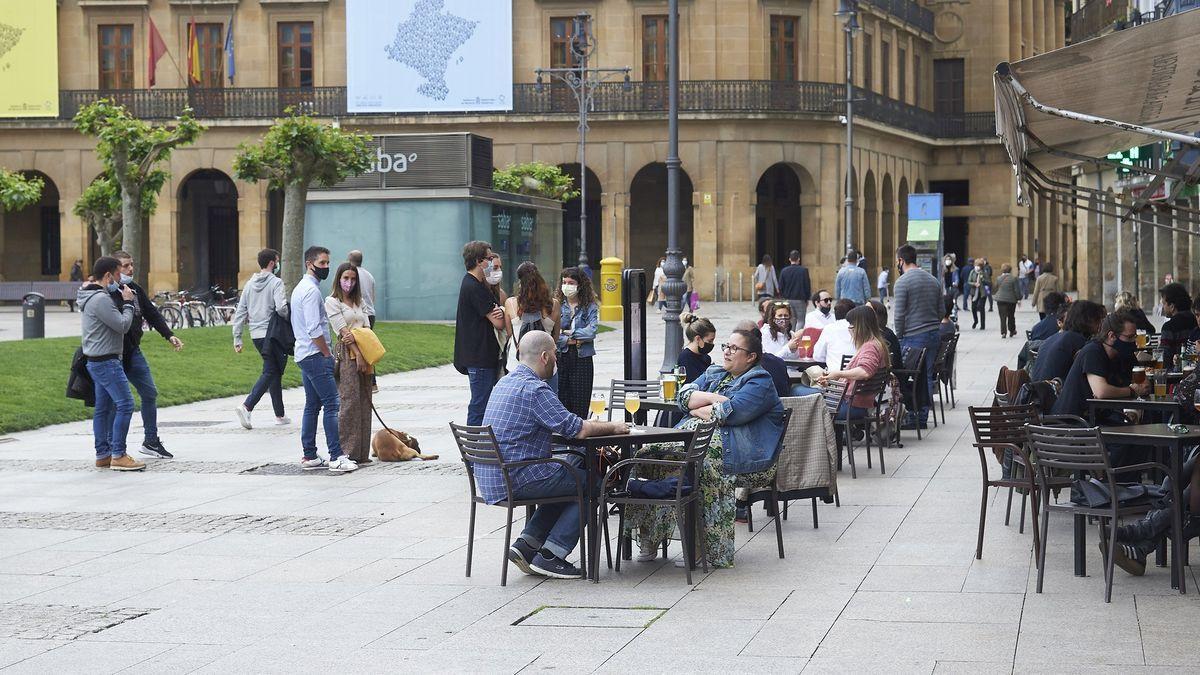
<point>369,344</point>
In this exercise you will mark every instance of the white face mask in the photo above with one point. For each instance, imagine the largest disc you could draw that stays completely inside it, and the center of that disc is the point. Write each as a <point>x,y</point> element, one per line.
<point>495,276</point>
<point>570,290</point>
<point>685,262</point>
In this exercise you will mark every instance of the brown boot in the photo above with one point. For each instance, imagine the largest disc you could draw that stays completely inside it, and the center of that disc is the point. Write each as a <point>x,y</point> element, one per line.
<point>103,462</point>
<point>126,463</point>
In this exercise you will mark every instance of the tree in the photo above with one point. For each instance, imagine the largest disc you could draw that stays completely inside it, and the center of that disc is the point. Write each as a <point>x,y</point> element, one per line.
<point>536,179</point>
<point>297,153</point>
<point>130,150</point>
<point>18,191</point>
<point>100,207</point>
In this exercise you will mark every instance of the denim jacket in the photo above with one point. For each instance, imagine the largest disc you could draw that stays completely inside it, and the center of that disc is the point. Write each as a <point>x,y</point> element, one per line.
<point>751,420</point>
<point>585,328</point>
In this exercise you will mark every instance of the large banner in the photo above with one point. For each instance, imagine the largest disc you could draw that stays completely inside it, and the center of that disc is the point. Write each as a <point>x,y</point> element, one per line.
<point>29,59</point>
<point>428,55</point>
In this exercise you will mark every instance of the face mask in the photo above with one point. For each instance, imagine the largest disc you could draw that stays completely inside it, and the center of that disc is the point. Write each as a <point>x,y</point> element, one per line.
<point>570,290</point>
<point>275,271</point>
<point>347,285</point>
<point>113,288</point>
<point>1124,349</point>
<point>947,263</point>
<point>488,266</point>
<point>321,273</point>
<point>782,324</point>
<point>685,262</point>
<point>126,279</point>
<point>707,347</point>
<point>825,309</point>
<point>495,277</point>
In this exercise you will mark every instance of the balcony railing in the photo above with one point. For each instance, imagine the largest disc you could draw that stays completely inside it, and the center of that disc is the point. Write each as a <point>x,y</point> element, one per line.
<point>907,11</point>
<point>1097,16</point>
<point>695,97</point>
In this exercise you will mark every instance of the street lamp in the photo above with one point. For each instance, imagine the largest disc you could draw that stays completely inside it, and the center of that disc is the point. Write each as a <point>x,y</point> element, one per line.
<point>673,287</point>
<point>582,81</point>
<point>848,11</point>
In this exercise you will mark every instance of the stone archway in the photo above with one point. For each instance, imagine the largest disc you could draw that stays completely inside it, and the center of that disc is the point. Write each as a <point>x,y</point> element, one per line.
<point>887,223</point>
<point>208,231</point>
<point>868,240</point>
<point>571,212</point>
<point>29,239</point>
<point>778,214</point>
<point>648,216</point>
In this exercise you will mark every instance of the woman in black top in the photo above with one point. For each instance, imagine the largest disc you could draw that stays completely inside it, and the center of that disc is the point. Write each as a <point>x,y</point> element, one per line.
<point>700,334</point>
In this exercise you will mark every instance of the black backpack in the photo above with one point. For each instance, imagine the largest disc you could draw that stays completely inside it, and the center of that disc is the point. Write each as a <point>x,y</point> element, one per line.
<point>529,325</point>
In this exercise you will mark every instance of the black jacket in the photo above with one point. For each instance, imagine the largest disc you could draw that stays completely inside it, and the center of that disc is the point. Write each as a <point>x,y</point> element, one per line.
<point>794,283</point>
<point>143,309</point>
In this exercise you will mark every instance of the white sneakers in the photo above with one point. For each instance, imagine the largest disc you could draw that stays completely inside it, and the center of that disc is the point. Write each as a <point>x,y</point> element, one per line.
<point>342,464</point>
<point>281,421</point>
<point>317,462</point>
<point>243,416</point>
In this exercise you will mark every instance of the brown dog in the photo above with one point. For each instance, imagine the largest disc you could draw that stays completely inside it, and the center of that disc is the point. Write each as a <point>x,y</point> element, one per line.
<point>390,445</point>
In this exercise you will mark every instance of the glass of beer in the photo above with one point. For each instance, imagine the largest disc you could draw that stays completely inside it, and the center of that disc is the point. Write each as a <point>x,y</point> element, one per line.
<point>805,345</point>
<point>1142,339</point>
<point>598,405</point>
<point>632,404</point>
<point>1139,375</point>
<point>669,385</point>
<point>1158,358</point>
<point>1160,387</point>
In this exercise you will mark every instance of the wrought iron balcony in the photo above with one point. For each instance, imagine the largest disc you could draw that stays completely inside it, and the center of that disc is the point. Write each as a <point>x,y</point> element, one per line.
<point>718,97</point>
<point>907,11</point>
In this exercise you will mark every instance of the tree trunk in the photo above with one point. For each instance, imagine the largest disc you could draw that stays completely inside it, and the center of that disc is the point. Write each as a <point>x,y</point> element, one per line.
<point>295,196</point>
<point>131,221</point>
<point>108,235</point>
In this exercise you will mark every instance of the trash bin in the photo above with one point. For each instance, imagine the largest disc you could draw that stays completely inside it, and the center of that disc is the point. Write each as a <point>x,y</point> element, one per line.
<point>33,315</point>
<point>610,289</point>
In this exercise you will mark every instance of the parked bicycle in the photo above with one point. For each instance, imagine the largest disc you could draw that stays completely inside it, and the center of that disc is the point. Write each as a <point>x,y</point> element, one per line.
<point>171,308</point>
<point>222,305</point>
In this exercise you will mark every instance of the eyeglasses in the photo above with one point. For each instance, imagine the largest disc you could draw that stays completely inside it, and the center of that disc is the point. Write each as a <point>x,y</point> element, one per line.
<point>727,348</point>
<point>825,300</point>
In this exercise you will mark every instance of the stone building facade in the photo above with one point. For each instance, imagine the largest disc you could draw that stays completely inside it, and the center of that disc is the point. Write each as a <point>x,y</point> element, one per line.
<point>761,138</point>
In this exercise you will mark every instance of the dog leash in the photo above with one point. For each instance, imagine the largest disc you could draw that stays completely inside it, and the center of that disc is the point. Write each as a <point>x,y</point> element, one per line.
<point>378,417</point>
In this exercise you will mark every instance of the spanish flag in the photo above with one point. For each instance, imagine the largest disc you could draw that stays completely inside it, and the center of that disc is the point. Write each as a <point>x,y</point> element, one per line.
<point>193,54</point>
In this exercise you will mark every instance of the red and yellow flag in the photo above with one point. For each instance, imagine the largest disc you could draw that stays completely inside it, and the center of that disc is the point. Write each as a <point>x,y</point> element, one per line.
<point>193,54</point>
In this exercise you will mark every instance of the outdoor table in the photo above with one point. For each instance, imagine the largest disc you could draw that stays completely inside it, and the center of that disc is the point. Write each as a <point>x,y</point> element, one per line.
<point>652,404</point>
<point>1152,436</point>
<point>639,435</point>
<point>803,364</point>
<point>1161,404</point>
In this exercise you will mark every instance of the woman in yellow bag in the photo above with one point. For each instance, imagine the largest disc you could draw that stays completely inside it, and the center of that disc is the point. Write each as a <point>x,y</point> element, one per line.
<point>346,313</point>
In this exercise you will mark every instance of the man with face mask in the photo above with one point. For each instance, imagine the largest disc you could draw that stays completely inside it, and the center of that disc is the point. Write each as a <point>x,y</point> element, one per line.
<point>477,319</point>
<point>314,355</point>
<point>261,299</point>
<point>524,412</point>
<point>822,313</point>
<point>137,369</point>
<point>1095,373</point>
<point>917,311</point>
<point>103,339</point>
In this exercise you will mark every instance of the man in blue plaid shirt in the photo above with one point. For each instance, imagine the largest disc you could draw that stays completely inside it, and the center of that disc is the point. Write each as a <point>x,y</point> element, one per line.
<point>524,412</point>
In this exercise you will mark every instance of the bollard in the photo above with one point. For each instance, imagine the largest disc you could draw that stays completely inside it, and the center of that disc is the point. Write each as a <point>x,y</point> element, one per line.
<point>33,316</point>
<point>728,286</point>
<point>741,288</point>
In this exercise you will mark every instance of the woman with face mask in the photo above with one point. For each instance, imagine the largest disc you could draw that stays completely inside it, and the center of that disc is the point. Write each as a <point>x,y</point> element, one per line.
<point>777,332</point>
<point>345,309</point>
<point>494,280</point>
<point>579,317</point>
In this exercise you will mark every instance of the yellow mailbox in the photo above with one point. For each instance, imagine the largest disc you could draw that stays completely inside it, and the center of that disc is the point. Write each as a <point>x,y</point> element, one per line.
<point>610,289</point>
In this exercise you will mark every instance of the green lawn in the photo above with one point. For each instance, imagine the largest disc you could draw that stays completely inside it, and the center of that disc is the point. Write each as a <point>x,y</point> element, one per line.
<point>34,378</point>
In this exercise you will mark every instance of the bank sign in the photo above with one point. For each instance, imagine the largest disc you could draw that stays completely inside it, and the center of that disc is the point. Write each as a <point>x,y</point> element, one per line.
<point>425,161</point>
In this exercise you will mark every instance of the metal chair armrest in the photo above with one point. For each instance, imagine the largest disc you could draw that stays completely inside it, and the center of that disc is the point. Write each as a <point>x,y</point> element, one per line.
<point>548,460</point>
<point>680,464</point>
<point>1075,420</point>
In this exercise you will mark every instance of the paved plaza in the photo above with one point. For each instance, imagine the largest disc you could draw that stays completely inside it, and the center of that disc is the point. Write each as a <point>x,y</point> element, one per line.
<point>228,559</point>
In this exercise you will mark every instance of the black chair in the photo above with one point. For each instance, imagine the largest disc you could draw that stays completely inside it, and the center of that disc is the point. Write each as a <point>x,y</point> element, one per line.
<point>943,372</point>
<point>771,492</point>
<point>478,446</point>
<point>913,385</point>
<point>620,390</point>
<point>1082,450</point>
<point>687,493</point>
<point>873,387</point>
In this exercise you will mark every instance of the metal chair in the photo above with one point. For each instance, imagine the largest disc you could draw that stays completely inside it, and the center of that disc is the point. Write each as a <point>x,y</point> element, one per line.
<point>873,387</point>
<point>943,372</point>
<point>771,492</point>
<point>478,446</point>
<point>619,390</point>
<point>687,474</point>
<point>1082,450</point>
<point>912,385</point>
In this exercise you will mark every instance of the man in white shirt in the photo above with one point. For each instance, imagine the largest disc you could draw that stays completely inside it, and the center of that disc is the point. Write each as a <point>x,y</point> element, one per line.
<point>822,316</point>
<point>835,341</point>
<point>314,356</point>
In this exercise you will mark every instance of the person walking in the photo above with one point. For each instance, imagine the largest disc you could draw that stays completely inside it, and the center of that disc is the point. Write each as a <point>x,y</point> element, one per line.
<point>347,310</point>
<point>137,369</point>
<point>881,284</point>
<point>103,328</point>
<point>852,282</point>
<point>1008,296</point>
<point>766,282</point>
<point>1045,283</point>
<point>917,312</point>
<point>77,270</point>
<point>262,299</point>
<point>314,356</point>
<point>976,288</point>
<point>1024,275</point>
<point>660,277</point>
<point>796,287</point>
<point>964,277</point>
<point>950,274</point>
<point>988,276</point>
<point>579,317</point>
<point>691,301</point>
<point>477,317</point>
<point>366,285</point>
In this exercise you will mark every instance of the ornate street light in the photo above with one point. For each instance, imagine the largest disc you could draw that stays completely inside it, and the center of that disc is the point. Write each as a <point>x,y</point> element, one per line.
<point>673,287</point>
<point>848,11</point>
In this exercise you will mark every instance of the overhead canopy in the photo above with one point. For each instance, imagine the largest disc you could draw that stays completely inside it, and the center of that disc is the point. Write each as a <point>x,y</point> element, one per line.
<point>1085,101</point>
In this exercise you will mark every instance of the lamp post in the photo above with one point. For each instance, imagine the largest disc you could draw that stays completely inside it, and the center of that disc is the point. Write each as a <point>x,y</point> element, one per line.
<point>673,287</point>
<point>582,81</point>
<point>848,10</point>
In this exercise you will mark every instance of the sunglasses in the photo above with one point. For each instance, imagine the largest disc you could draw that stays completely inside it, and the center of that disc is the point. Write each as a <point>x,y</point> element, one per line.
<point>825,300</point>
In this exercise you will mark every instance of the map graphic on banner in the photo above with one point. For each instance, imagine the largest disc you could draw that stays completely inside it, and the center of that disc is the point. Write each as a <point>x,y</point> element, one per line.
<point>428,55</point>
<point>29,59</point>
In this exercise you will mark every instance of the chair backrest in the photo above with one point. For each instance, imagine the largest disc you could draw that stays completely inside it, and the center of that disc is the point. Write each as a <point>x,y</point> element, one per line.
<point>477,445</point>
<point>846,360</point>
<point>834,392</point>
<point>1069,448</point>
<point>787,420</point>
<point>1154,340</point>
<point>1000,425</point>
<point>619,390</point>
<point>698,446</point>
<point>945,351</point>
<point>1009,382</point>
<point>873,386</point>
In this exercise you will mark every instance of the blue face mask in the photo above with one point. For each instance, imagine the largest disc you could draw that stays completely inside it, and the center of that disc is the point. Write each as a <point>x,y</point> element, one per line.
<point>113,287</point>
<point>126,279</point>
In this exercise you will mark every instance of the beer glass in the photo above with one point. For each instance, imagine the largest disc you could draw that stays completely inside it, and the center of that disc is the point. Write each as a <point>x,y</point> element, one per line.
<point>1139,375</point>
<point>669,384</point>
<point>1142,339</point>
<point>632,404</point>
<point>598,406</point>
<point>805,345</point>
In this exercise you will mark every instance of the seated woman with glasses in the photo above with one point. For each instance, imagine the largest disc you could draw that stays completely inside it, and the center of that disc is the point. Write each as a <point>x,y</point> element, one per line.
<point>872,354</point>
<point>741,397</point>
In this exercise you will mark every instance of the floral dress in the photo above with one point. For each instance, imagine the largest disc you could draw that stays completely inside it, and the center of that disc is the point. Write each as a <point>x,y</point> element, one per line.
<point>657,523</point>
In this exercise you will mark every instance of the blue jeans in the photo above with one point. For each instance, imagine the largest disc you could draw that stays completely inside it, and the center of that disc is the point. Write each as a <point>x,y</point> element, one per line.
<point>320,391</point>
<point>482,381</point>
<point>140,377</point>
<point>554,527</point>
<point>271,378</point>
<point>114,407</point>
<point>856,413</point>
<point>805,390</point>
<point>930,340</point>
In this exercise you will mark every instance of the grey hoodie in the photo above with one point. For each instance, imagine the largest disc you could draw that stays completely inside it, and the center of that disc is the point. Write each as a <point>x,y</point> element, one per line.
<point>104,326</point>
<point>262,296</point>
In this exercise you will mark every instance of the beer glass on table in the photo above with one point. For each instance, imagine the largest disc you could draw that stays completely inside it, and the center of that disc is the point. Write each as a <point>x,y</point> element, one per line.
<point>1139,376</point>
<point>805,345</point>
<point>598,405</point>
<point>1142,339</point>
<point>632,404</point>
<point>1160,383</point>
<point>669,386</point>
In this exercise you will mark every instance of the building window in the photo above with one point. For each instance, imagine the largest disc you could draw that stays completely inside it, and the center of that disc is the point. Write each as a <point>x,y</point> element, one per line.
<point>116,56</point>
<point>954,192</point>
<point>785,52</point>
<point>885,68</point>
<point>296,55</point>
<point>948,86</point>
<point>212,55</point>
<point>917,80</point>
<point>562,31</point>
<point>654,48</point>
<point>868,67</point>
<point>901,74</point>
